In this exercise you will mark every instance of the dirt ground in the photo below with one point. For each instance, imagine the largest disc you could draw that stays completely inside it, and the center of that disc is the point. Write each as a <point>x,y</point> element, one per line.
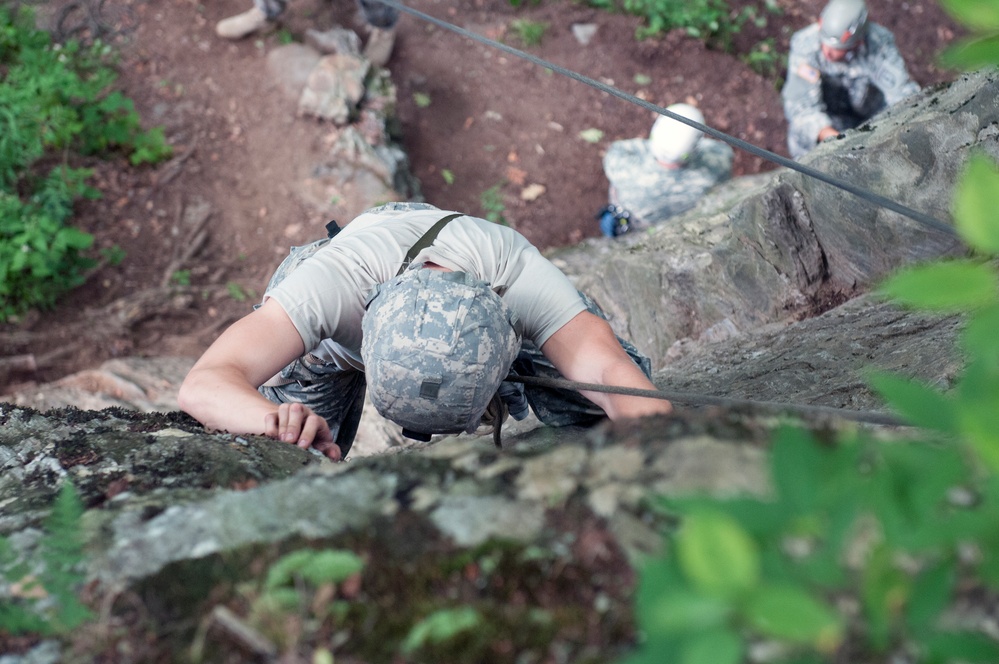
<point>493,120</point>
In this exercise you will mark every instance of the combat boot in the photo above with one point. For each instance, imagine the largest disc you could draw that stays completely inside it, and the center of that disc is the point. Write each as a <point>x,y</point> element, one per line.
<point>378,49</point>
<point>242,25</point>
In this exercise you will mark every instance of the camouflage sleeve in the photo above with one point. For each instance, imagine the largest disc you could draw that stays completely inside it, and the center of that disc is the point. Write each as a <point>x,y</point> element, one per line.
<point>804,108</point>
<point>888,67</point>
<point>621,158</point>
<point>716,159</point>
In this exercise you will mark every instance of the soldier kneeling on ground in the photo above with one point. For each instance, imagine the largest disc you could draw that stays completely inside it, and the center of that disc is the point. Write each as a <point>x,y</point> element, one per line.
<point>654,179</point>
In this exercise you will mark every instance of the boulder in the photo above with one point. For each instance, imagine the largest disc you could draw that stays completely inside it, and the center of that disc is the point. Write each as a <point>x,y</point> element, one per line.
<point>792,246</point>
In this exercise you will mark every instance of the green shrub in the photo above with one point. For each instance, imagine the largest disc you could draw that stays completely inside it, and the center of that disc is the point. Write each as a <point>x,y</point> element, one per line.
<point>530,33</point>
<point>704,19</point>
<point>493,208</point>
<point>715,22</point>
<point>901,531</point>
<point>55,100</point>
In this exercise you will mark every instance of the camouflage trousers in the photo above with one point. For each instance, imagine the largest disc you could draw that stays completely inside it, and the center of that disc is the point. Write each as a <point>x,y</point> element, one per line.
<point>375,13</point>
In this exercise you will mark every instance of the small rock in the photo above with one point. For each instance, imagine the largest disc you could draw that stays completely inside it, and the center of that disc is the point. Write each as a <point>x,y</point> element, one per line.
<point>334,88</point>
<point>583,32</point>
<point>290,65</point>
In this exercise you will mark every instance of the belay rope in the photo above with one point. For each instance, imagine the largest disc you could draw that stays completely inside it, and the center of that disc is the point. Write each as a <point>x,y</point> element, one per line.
<point>869,417</point>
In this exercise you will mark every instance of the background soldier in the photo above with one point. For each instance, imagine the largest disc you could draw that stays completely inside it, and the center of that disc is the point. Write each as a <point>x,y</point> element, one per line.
<point>653,179</point>
<point>380,18</point>
<point>842,71</point>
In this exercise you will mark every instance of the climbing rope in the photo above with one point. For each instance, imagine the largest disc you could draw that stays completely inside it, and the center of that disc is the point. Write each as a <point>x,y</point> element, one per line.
<point>868,417</point>
<point>808,171</point>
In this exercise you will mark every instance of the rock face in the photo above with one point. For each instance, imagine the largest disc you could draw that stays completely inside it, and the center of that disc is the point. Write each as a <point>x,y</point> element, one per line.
<point>175,511</point>
<point>793,245</point>
<point>331,81</point>
<point>717,297</point>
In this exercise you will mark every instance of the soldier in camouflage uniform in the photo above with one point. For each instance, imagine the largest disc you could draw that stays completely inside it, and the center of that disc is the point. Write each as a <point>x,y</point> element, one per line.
<point>842,71</point>
<point>431,340</point>
<point>381,20</point>
<point>656,178</point>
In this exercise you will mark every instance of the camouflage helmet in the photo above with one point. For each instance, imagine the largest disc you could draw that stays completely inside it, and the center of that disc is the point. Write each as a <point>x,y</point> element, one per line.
<point>843,24</point>
<point>436,347</point>
<point>670,140</point>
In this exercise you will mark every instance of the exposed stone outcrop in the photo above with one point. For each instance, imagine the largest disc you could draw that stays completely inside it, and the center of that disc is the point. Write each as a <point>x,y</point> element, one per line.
<point>794,245</point>
<point>330,80</point>
<point>715,296</point>
<point>172,506</point>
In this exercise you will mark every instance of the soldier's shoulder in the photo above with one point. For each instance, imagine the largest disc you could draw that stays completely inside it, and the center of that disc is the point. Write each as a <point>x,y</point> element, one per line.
<point>628,149</point>
<point>878,35</point>
<point>806,39</point>
<point>714,148</point>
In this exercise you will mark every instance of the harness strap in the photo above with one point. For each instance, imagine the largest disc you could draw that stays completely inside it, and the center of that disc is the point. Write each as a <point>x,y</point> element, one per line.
<point>426,240</point>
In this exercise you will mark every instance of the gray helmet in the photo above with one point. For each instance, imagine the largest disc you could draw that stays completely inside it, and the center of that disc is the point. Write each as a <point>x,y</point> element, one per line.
<point>436,347</point>
<point>844,23</point>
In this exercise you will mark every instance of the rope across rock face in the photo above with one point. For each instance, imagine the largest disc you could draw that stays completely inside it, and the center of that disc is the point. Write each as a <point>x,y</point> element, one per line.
<point>868,417</point>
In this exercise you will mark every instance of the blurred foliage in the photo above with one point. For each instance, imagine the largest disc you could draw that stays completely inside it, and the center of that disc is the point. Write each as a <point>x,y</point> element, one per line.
<point>55,101</point>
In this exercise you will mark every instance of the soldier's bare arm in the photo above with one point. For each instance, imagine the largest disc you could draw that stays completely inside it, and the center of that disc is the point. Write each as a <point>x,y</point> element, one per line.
<point>220,391</point>
<point>586,350</point>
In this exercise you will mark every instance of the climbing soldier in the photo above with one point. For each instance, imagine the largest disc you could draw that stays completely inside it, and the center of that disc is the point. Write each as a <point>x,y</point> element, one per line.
<point>427,310</point>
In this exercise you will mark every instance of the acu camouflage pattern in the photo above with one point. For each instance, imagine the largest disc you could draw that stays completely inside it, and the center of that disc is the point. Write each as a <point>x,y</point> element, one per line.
<point>652,193</point>
<point>375,13</point>
<point>333,394</point>
<point>820,93</point>
<point>436,346</point>
<point>338,395</point>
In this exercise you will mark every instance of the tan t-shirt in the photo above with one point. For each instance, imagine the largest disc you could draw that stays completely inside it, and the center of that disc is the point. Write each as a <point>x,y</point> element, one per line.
<point>325,295</point>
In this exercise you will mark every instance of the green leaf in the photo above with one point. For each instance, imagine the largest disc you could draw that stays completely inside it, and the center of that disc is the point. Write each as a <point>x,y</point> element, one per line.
<point>313,567</point>
<point>979,424</point>
<point>448,176</point>
<point>278,600</point>
<point>719,646</point>
<point>683,610</point>
<point>717,555</point>
<point>960,647</point>
<point>75,238</point>
<point>884,589</point>
<point>916,402</point>
<point>439,627</point>
<point>931,593</point>
<point>797,469</point>
<point>421,99</point>
<point>978,14</point>
<point>979,337</point>
<point>974,208</point>
<point>789,613</point>
<point>978,416</point>
<point>971,54</point>
<point>945,286</point>
<point>591,135</point>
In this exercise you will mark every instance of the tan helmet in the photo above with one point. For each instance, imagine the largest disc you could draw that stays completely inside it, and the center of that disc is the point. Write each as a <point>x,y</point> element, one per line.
<point>843,24</point>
